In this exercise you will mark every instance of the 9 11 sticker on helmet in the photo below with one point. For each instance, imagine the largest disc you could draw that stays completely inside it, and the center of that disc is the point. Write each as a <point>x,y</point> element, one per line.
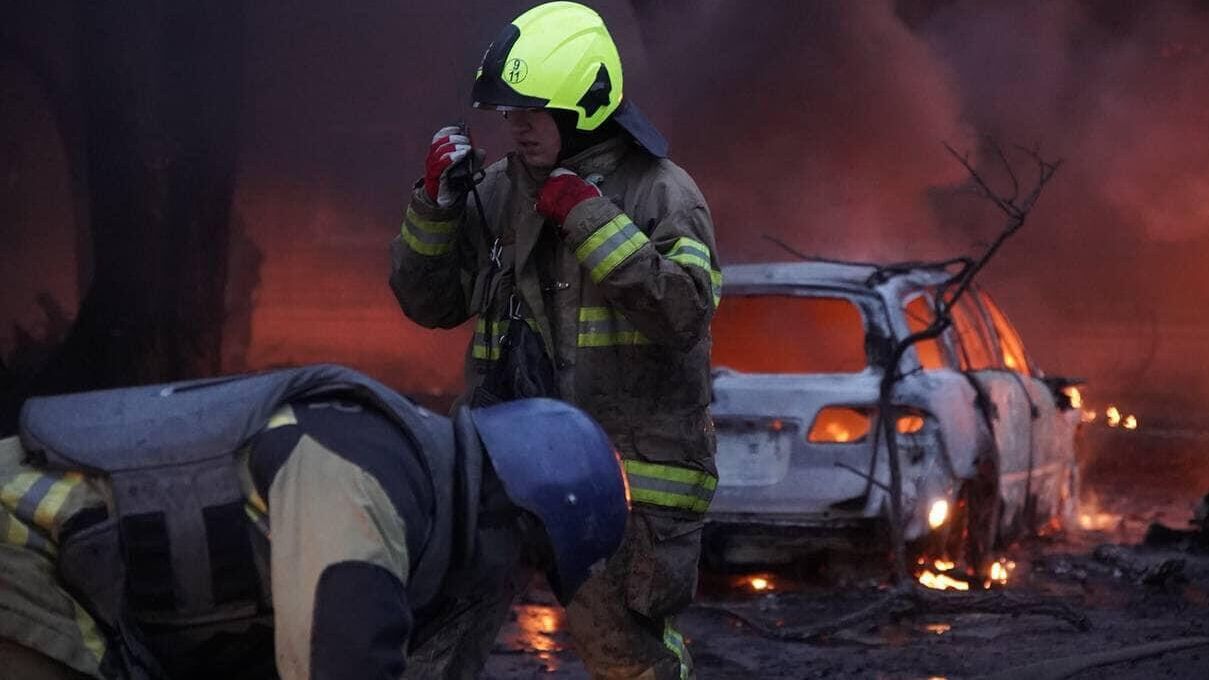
<point>516,70</point>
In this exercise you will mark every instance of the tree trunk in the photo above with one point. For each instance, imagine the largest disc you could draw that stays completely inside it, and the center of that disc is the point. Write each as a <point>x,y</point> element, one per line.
<point>162,93</point>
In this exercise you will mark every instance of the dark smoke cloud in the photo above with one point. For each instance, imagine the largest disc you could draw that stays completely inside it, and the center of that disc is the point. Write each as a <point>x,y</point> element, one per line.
<point>818,122</point>
<point>822,123</point>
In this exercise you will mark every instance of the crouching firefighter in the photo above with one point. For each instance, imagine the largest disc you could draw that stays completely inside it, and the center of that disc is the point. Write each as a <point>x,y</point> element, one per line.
<point>307,522</point>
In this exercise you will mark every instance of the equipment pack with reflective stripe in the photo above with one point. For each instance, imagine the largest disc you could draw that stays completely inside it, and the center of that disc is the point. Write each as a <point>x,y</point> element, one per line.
<point>670,486</point>
<point>170,454</point>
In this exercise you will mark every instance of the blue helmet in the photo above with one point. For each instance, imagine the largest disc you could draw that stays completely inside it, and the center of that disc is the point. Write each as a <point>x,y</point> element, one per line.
<point>555,462</point>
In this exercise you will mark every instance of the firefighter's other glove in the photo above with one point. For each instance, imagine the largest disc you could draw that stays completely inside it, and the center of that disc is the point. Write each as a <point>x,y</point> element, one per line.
<point>450,147</point>
<point>561,193</point>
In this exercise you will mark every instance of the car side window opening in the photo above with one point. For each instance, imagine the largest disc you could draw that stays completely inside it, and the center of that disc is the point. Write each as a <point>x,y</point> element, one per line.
<point>973,337</point>
<point>1009,340</point>
<point>764,333</point>
<point>920,314</point>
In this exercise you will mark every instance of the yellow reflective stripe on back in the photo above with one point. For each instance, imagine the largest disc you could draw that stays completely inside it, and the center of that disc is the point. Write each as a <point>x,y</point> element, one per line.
<point>50,504</point>
<point>16,533</point>
<point>89,633</point>
<point>282,417</point>
<point>16,488</point>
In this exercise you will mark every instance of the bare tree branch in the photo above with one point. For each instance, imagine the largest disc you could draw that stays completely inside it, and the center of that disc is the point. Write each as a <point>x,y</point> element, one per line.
<point>864,475</point>
<point>1017,211</point>
<point>788,248</point>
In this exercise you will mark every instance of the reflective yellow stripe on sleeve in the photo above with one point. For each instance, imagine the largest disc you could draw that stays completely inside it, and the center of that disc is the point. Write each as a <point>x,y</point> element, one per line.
<point>609,246</point>
<point>670,486</point>
<point>428,237</point>
<point>693,253</point>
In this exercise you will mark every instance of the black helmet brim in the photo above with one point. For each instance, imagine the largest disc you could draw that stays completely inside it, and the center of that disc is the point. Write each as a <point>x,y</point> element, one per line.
<point>629,117</point>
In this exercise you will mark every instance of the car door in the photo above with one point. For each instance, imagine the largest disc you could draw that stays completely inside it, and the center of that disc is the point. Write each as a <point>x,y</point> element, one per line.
<point>1052,426</point>
<point>1008,403</point>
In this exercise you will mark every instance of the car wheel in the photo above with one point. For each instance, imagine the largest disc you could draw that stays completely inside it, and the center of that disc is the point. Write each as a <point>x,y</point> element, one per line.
<point>974,528</point>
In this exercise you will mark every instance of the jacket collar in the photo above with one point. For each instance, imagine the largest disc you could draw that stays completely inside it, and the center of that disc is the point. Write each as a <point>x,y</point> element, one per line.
<point>601,159</point>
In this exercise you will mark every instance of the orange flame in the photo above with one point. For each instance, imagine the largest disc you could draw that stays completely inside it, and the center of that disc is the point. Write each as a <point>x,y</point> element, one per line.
<point>941,581</point>
<point>1000,571</point>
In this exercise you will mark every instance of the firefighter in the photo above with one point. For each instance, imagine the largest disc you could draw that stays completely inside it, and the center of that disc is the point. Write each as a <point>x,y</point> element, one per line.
<point>587,259</point>
<point>308,522</point>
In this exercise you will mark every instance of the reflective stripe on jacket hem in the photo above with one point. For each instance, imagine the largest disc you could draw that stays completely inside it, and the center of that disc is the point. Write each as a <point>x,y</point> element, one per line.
<point>670,486</point>
<point>604,327</point>
<point>487,345</point>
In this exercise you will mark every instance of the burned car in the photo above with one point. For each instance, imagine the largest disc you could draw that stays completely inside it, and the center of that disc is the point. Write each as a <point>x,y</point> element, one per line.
<point>986,442</point>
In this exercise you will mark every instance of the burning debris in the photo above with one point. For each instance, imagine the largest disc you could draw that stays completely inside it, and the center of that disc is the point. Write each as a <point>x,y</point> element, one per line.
<point>943,574</point>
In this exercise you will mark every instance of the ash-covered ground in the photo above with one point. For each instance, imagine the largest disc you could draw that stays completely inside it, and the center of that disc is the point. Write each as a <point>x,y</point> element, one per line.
<point>1131,479</point>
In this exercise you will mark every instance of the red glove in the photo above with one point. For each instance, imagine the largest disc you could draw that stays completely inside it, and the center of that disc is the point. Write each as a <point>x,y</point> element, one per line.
<point>561,193</point>
<point>449,146</point>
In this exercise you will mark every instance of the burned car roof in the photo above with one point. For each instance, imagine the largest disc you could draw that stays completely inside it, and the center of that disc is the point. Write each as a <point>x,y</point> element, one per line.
<point>849,275</point>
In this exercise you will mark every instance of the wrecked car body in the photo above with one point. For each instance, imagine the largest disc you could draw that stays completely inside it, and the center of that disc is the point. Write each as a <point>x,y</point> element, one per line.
<point>986,442</point>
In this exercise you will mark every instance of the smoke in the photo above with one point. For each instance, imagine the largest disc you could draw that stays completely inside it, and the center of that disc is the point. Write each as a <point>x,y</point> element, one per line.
<point>822,123</point>
<point>816,122</point>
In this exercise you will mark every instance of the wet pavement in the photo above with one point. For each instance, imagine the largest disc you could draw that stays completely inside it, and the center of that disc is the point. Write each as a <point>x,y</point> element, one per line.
<point>1127,486</point>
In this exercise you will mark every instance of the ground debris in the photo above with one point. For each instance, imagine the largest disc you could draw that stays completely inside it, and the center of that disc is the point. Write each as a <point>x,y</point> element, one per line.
<point>1153,570</point>
<point>1056,669</point>
<point>911,600</point>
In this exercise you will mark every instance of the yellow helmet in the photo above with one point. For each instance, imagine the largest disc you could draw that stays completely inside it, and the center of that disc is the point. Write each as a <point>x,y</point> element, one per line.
<point>559,55</point>
<point>555,56</point>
